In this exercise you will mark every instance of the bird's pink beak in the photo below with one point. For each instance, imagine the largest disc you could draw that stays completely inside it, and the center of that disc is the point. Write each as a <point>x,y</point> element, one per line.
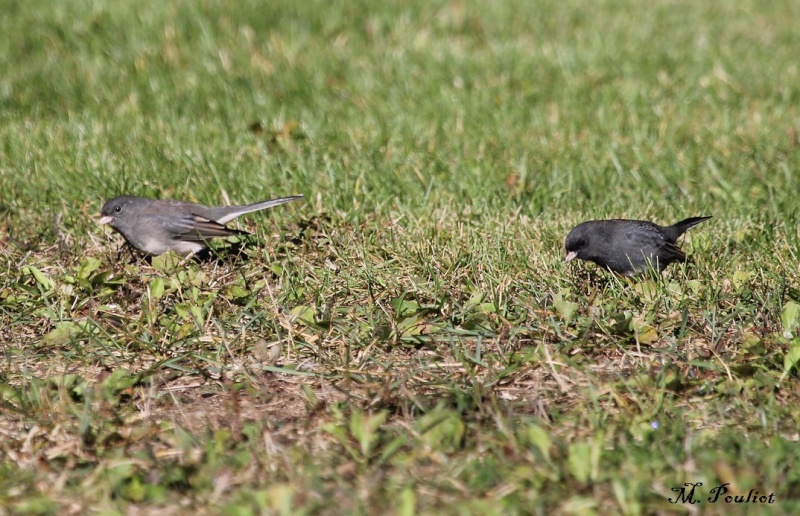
<point>570,256</point>
<point>105,220</point>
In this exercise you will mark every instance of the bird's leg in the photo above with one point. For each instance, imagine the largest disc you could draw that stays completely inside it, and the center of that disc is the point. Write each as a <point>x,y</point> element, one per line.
<point>187,258</point>
<point>122,249</point>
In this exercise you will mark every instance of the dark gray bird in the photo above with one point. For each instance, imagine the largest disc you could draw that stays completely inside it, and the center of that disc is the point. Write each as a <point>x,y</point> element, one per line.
<point>628,247</point>
<point>156,226</point>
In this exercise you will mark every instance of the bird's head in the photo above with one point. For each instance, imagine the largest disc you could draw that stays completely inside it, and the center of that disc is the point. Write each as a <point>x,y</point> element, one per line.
<point>577,243</point>
<point>113,208</point>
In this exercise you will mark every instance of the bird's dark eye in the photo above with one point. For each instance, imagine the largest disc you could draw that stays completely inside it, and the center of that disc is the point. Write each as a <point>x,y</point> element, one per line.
<point>118,209</point>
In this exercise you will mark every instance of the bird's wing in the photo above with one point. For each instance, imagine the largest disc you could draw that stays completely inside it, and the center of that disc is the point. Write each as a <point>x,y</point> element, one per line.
<point>195,228</point>
<point>652,242</point>
<point>671,252</point>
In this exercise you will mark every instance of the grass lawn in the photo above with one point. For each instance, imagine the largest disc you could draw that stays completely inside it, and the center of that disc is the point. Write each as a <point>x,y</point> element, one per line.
<point>407,339</point>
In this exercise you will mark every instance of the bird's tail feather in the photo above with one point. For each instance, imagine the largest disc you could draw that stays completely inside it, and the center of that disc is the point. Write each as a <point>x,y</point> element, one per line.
<point>263,205</point>
<point>676,230</point>
<point>256,206</point>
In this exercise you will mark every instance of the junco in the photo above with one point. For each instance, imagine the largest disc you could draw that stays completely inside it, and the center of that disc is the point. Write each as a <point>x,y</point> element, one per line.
<point>155,226</point>
<point>628,247</point>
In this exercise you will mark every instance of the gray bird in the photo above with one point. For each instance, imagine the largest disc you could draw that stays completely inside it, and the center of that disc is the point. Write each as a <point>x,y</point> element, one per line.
<point>157,226</point>
<point>628,247</point>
